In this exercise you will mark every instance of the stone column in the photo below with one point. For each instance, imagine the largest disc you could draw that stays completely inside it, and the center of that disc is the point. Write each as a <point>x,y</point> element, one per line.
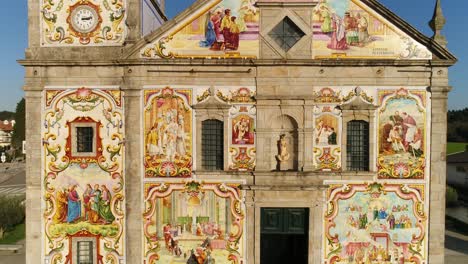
<point>438,174</point>
<point>308,136</point>
<point>133,175</point>
<point>33,176</point>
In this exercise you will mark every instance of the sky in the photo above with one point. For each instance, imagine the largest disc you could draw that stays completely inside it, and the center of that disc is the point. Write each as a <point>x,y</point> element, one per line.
<point>13,25</point>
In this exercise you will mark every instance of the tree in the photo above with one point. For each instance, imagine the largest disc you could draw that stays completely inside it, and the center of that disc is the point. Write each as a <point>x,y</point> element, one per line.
<point>19,130</point>
<point>7,115</point>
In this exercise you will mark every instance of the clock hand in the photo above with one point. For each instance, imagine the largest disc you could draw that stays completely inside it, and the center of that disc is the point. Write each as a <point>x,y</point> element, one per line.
<point>86,18</point>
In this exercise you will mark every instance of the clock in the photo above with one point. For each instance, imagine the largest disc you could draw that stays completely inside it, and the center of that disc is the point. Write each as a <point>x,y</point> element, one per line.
<point>84,20</point>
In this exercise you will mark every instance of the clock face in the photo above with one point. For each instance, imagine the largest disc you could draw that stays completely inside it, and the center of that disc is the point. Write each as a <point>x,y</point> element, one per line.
<point>84,19</point>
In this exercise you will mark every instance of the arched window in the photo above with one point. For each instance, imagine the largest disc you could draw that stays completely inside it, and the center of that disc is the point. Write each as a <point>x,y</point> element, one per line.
<point>357,146</point>
<point>212,145</point>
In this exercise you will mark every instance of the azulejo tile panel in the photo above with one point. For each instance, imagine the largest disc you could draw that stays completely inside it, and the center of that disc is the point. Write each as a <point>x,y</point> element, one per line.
<point>194,222</point>
<point>83,183</point>
<point>375,222</point>
<point>82,22</point>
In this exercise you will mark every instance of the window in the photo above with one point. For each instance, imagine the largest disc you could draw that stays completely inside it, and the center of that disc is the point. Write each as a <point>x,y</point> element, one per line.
<point>357,146</point>
<point>84,139</point>
<point>212,145</point>
<point>286,34</point>
<point>85,252</point>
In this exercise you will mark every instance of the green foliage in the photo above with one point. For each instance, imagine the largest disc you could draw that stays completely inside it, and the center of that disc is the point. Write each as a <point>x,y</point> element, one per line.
<point>7,115</point>
<point>58,230</point>
<point>455,147</point>
<point>451,196</point>
<point>19,130</point>
<point>12,212</point>
<point>18,233</point>
<point>457,130</point>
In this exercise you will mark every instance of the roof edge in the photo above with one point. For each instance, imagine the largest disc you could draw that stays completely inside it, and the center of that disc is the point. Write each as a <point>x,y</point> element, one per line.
<point>441,52</point>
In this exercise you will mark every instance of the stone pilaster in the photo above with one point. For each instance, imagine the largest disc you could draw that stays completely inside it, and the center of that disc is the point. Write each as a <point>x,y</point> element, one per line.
<point>33,177</point>
<point>437,181</point>
<point>134,20</point>
<point>133,176</point>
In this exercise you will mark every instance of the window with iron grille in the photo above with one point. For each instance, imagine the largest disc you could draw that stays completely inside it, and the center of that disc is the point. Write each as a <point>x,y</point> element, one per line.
<point>84,139</point>
<point>357,146</point>
<point>286,34</point>
<point>85,252</point>
<point>212,145</point>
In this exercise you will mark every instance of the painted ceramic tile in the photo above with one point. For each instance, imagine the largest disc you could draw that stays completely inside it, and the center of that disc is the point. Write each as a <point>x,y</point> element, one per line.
<point>327,138</point>
<point>83,191</point>
<point>349,29</point>
<point>194,222</point>
<point>402,134</point>
<point>168,132</point>
<point>375,223</point>
<point>242,151</point>
<point>221,28</point>
<point>82,22</point>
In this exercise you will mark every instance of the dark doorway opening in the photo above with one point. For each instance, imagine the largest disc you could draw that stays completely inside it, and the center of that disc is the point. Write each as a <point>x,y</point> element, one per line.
<point>284,235</point>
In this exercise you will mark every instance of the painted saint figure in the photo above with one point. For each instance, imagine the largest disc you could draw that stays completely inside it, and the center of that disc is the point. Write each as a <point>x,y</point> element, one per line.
<point>234,35</point>
<point>61,212</point>
<point>74,205</point>
<point>241,131</point>
<point>105,208</point>
<point>362,28</point>
<point>338,38</point>
<point>226,27</point>
<point>87,195</point>
<point>180,140</point>
<point>210,34</point>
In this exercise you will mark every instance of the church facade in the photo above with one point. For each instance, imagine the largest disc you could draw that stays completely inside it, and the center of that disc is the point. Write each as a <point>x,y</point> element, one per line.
<point>241,131</point>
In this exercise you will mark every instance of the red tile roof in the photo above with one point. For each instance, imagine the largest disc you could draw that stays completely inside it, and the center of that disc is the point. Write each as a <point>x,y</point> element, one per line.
<point>6,127</point>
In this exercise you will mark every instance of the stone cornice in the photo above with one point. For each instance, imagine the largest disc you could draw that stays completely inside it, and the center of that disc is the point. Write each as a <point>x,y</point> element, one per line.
<point>237,62</point>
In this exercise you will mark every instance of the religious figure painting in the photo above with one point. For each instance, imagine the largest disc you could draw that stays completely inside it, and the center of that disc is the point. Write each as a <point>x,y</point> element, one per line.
<point>84,203</point>
<point>243,130</point>
<point>84,192</point>
<point>194,222</point>
<point>375,223</point>
<point>348,28</point>
<point>325,130</point>
<point>326,138</point>
<point>168,133</point>
<point>221,28</point>
<point>402,134</point>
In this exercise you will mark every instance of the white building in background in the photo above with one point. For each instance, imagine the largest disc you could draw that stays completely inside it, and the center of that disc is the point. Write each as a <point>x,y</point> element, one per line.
<point>6,131</point>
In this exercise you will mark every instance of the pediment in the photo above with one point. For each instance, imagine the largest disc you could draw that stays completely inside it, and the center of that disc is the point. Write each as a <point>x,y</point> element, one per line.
<point>342,29</point>
<point>209,30</point>
<point>352,29</point>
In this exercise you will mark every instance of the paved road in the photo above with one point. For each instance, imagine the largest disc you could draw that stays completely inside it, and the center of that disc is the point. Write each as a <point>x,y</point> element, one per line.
<point>12,179</point>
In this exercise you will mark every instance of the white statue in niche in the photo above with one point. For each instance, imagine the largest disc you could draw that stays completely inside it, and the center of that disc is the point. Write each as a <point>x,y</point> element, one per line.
<point>283,154</point>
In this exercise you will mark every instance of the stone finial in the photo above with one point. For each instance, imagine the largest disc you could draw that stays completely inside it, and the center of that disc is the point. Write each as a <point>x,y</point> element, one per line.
<point>437,24</point>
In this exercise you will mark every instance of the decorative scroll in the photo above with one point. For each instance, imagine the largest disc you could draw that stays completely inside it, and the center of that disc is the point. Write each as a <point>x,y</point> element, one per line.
<point>168,133</point>
<point>242,95</point>
<point>84,196</point>
<point>375,223</point>
<point>194,221</point>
